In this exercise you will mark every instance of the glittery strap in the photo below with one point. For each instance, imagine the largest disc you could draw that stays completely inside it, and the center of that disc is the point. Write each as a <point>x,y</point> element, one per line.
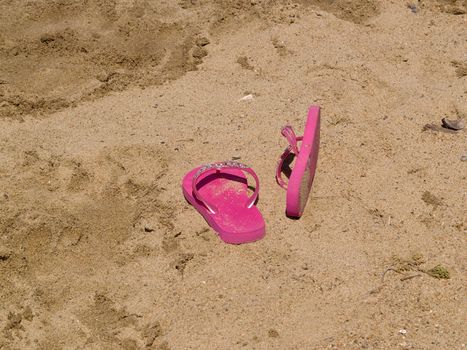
<point>289,134</point>
<point>218,166</point>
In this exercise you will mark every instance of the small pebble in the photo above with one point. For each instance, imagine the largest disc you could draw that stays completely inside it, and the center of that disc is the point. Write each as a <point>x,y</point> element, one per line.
<point>199,52</point>
<point>246,98</point>
<point>103,77</point>
<point>202,41</point>
<point>412,8</point>
<point>4,254</point>
<point>464,158</point>
<point>453,124</point>
<point>47,38</point>
<point>273,333</point>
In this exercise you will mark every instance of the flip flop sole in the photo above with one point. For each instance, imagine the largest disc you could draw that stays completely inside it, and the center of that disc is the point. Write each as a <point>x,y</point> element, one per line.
<point>234,222</point>
<point>303,173</point>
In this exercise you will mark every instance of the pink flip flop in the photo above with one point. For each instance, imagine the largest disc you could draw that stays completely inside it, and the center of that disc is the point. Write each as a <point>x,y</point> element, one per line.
<point>303,173</point>
<point>219,192</point>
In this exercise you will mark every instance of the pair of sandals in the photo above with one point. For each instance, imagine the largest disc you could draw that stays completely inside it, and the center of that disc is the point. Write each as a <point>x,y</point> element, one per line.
<point>219,191</point>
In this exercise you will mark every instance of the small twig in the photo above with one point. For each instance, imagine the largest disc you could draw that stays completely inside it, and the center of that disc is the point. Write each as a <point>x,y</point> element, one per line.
<point>387,270</point>
<point>410,277</point>
<point>185,140</point>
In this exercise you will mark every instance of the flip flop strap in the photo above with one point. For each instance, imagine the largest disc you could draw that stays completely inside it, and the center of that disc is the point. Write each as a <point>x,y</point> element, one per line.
<point>218,166</point>
<point>289,134</point>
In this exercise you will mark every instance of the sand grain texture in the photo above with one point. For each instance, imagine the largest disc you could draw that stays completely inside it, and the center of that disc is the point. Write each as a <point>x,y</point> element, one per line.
<point>105,105</point>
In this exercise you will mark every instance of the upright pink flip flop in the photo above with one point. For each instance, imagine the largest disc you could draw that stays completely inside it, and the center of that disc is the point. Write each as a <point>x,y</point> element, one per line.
<point>303,173</point>
<point>219,192</point>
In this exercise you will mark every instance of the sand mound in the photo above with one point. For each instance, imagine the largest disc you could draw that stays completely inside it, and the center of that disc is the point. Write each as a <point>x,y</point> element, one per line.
<point>57,53</point>
<point>353,11</point>
<point>66,217</point>
<point>454,7</point>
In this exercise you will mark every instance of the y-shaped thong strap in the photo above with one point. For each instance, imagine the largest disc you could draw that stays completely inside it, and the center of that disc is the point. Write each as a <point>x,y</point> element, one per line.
<point>289,134</point>
<point>217,167</point>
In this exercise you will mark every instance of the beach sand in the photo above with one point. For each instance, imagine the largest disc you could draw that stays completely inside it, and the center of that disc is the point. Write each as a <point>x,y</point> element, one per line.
<point>105,105</point>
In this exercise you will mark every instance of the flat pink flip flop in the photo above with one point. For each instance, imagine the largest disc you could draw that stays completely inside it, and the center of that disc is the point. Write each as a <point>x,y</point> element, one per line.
<point>219,192</point>
<point>303,172</point>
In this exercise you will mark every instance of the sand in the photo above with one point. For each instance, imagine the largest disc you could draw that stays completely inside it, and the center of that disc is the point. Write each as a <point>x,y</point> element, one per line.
<point>105,105</point>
